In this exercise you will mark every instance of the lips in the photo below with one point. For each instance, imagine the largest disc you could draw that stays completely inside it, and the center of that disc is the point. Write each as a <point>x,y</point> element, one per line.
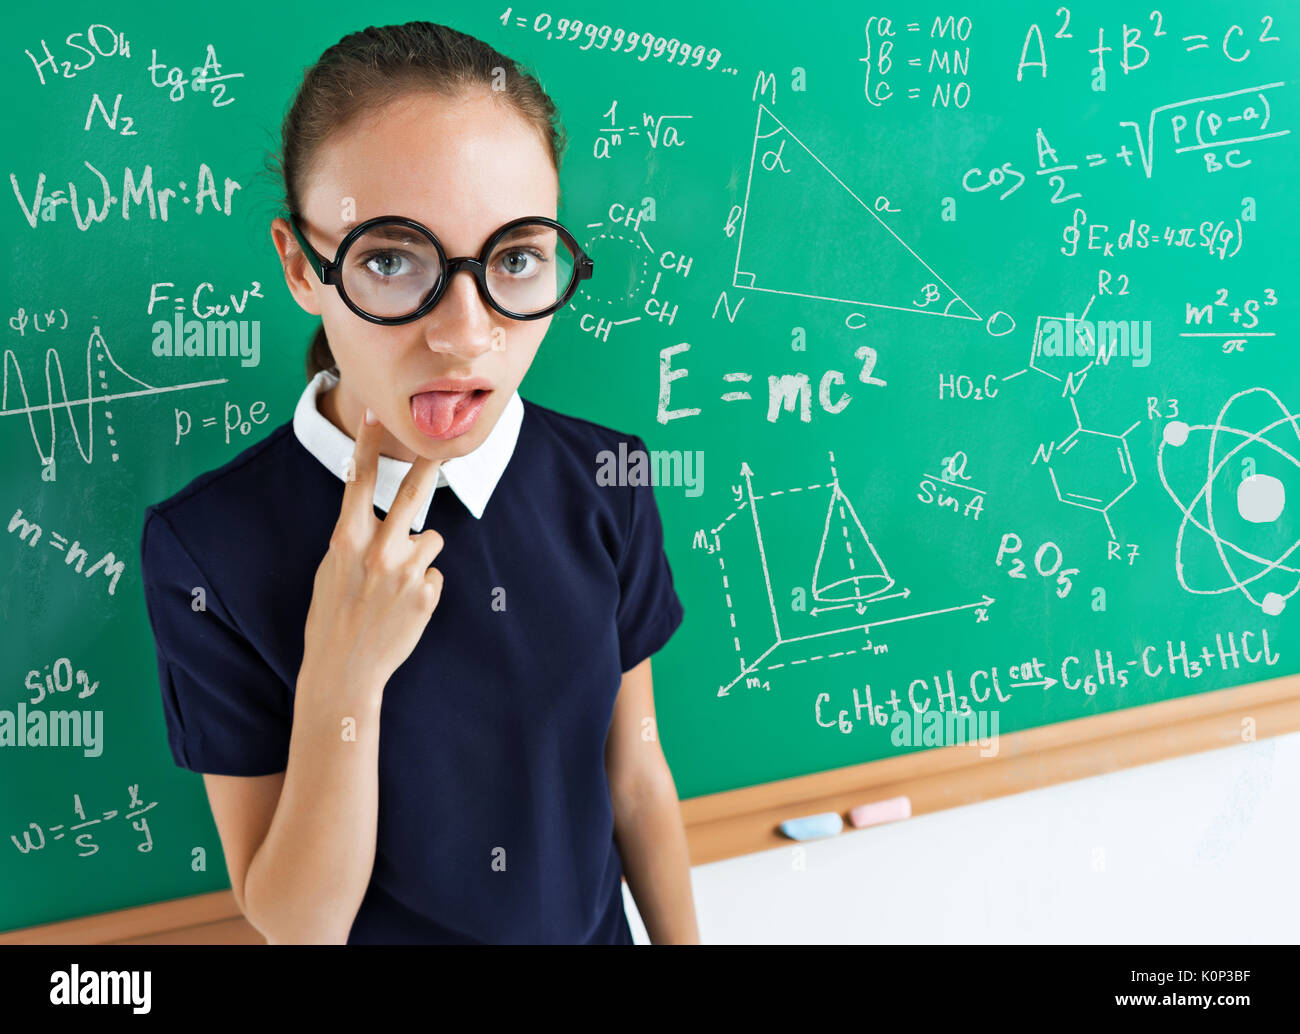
<point>454,384</point>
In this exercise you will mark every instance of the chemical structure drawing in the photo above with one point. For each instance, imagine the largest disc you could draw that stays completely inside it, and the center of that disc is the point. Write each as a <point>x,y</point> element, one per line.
<point>652,274</point>
<point>846,576</point>
<point>1093,460</point>
<point>1248,527</point>
<point>1088,468</point>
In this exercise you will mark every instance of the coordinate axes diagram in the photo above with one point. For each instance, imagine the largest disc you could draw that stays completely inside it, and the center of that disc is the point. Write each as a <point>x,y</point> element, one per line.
<point>846,577</point>
<point>804,232</point>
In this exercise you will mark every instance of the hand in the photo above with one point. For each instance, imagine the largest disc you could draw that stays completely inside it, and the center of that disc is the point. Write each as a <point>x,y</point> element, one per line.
<point>374,591</point>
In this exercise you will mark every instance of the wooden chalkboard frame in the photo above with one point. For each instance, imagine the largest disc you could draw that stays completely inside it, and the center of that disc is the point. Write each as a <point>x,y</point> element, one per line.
<point>736,822</point>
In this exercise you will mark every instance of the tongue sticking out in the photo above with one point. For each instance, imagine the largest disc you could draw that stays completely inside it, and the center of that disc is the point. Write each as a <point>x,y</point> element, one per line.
<point>433,411</point>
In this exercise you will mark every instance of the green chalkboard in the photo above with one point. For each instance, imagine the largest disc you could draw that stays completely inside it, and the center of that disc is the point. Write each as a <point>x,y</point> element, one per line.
<point>974,336</point>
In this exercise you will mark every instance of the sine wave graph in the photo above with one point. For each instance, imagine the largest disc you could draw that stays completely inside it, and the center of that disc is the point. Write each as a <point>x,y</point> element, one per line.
<point>107,382</point>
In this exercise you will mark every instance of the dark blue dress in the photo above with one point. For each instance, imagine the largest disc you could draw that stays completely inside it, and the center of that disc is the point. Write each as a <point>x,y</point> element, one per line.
<point>492,733</point>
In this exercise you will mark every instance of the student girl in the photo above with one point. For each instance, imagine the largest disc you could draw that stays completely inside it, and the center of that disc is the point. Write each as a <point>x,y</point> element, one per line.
<point>398,752</point>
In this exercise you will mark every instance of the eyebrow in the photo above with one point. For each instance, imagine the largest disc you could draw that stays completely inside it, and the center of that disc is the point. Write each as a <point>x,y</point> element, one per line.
<point>397,233</point>
<point>402,235</point>
<point>528,232</point>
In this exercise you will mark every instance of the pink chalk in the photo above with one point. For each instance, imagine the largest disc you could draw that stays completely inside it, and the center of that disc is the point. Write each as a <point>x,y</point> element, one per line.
<point>881,811</point>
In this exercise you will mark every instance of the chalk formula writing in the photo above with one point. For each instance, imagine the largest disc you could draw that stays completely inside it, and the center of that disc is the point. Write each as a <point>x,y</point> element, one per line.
<point>36,838</point>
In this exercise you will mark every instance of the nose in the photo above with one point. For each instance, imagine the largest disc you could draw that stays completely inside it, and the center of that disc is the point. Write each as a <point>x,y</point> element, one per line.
<point>461,323</point>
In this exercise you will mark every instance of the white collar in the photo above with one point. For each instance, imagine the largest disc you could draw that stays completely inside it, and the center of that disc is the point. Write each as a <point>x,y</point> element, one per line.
<point>472,476</point>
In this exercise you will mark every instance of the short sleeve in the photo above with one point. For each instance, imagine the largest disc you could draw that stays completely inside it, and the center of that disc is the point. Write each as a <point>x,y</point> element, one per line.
<point>227,711</point>
<point>649,610</point>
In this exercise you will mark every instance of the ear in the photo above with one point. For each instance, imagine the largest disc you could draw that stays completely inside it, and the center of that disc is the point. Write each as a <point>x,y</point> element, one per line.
<point>303,283</point>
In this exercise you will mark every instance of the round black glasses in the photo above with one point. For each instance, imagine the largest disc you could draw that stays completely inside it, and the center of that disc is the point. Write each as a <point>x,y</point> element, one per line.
<point>391,270</point>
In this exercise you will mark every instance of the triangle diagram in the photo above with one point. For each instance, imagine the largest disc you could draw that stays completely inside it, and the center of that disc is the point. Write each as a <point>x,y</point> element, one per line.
<point>803,232</point>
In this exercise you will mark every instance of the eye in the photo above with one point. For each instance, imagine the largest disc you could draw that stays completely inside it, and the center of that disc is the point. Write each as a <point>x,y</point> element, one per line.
<point>386,265</point>
<point>520,263</point>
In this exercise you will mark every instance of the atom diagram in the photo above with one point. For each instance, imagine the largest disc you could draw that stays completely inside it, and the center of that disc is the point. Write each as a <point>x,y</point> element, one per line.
<point>1260,503</point>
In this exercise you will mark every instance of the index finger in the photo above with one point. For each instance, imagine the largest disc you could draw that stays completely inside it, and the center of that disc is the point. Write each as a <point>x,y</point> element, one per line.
<point>416,486</point>
<point>359,477</point>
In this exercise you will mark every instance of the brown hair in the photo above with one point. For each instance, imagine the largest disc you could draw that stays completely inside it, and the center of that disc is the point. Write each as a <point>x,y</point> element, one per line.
<point>366,70</point>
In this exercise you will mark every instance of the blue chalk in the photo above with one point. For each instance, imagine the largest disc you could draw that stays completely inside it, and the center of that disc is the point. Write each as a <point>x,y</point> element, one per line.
<point>810,827</point>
